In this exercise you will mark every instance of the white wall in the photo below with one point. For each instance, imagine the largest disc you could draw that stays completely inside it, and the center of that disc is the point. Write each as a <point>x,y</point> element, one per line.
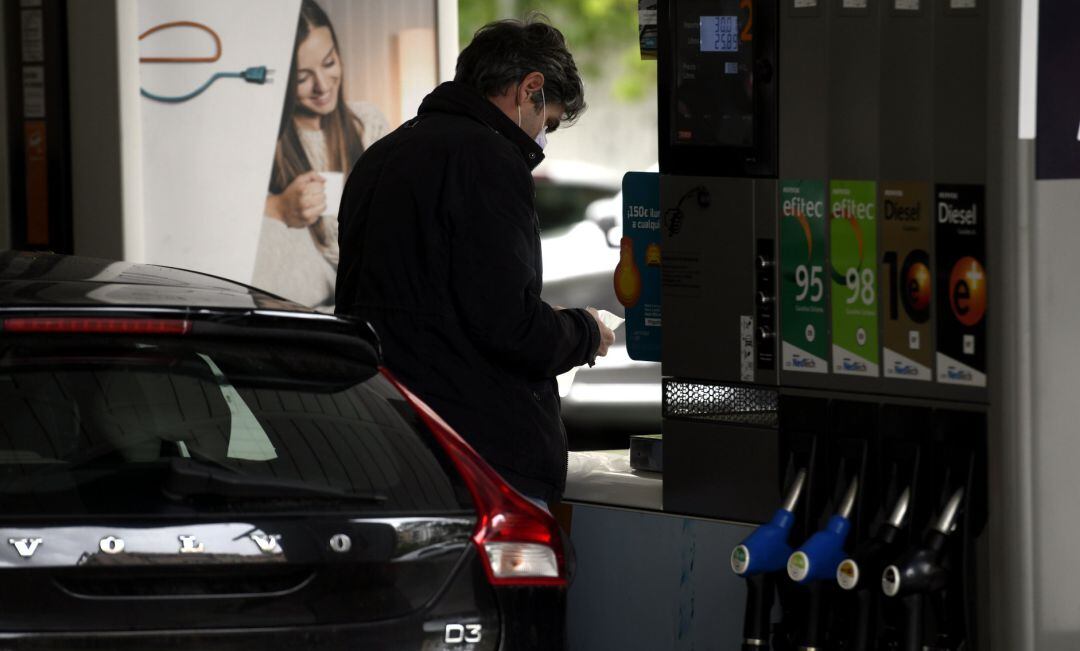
<point>207,161</point>
<point>610,133</point>
<point>1055,322</point>
<point>367,32</point>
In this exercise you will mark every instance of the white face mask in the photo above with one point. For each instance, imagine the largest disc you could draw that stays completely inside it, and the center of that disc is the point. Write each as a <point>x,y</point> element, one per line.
<point>541,138</point>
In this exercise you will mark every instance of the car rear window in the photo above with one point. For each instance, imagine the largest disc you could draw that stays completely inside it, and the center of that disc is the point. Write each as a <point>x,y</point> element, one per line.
<point>130,425</point>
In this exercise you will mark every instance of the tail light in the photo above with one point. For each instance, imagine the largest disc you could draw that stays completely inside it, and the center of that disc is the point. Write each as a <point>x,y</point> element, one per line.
<point>521,544</point>
<point>95,325</point>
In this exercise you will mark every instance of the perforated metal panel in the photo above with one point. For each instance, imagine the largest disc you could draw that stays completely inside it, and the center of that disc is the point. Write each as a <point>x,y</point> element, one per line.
<point>720,403</point>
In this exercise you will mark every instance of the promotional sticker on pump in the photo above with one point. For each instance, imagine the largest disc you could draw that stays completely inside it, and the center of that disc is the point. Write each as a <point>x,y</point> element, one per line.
<point>961,285</point>
<point>853,262</point>
<point>637,276</point>
<point>906,281</point>
<point>805,324</point>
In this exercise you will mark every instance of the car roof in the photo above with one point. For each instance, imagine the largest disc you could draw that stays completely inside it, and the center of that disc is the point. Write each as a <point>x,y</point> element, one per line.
<point>49,279</point>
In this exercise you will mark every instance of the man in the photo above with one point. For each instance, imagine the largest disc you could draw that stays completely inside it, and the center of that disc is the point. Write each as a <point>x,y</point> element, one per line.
<point>440,251</point>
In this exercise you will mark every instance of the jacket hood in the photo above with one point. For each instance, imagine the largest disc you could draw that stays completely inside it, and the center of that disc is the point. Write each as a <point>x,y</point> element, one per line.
<point>458,99</point>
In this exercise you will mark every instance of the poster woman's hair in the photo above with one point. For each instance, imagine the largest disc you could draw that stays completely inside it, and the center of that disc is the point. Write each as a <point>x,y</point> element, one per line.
<point>341,128</point>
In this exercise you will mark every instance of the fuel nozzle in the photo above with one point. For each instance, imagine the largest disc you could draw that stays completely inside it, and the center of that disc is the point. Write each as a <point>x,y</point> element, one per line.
<point>820,556</point>
<point>921,571</point>
<point>870,559</point>
<point>767,548</point>
<point>758,558</point>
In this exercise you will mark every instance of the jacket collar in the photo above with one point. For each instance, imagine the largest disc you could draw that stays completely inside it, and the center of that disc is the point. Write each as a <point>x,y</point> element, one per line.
<point>457,98</point>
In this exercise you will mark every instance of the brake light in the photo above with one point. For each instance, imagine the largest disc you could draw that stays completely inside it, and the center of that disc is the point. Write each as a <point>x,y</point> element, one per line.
<point>95,325</point>
<point>521,544</point>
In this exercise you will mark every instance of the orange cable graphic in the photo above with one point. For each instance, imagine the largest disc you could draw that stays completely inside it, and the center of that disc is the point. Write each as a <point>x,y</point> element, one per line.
<point>183,23</point>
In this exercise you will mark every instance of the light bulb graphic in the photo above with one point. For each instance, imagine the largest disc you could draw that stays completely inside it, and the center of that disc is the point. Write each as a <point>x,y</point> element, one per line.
<point>627,275</point>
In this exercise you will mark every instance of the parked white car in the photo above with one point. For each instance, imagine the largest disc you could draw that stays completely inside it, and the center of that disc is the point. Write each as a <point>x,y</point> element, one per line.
<point>580,209</point>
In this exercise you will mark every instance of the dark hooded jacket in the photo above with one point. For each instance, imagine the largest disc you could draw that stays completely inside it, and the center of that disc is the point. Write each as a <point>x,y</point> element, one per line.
<point>440,252</point>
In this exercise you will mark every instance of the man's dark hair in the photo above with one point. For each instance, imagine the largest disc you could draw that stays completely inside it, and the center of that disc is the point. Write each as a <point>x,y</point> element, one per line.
<point>502,53</point>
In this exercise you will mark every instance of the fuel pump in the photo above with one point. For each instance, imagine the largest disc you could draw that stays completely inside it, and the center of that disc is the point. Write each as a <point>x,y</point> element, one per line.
<point>828,307</point>
<point>759,558</point>
<point>924,573</point>
<point>815,564</point>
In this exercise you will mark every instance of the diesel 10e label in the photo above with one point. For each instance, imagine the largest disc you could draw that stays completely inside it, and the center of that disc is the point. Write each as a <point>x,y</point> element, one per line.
<point>906,282</point>
<point>961,284</point>
<point>853,259</point>
<point>805,335</point>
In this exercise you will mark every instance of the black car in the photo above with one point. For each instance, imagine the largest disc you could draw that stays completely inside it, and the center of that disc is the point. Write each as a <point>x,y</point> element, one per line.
<point>186,462</point>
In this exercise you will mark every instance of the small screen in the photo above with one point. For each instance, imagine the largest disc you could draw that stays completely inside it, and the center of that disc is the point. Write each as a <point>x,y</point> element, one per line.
<point>719,34</point>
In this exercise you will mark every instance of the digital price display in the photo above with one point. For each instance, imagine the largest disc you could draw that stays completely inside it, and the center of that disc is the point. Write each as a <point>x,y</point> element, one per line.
<point>719,33</point>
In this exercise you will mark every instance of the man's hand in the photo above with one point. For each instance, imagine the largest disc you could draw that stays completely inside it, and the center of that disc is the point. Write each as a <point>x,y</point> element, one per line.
<point>607,336</point>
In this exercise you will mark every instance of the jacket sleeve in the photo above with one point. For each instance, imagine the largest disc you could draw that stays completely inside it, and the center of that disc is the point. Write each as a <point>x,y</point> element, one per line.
<point>495,252</point>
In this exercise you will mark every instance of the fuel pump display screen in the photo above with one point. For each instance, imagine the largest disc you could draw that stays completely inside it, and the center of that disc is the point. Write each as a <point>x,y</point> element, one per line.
<point>714,85</point>
<point>719,34</point>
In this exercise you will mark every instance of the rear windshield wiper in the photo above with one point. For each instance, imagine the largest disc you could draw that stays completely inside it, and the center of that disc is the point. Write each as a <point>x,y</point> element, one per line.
<point>190,478</point>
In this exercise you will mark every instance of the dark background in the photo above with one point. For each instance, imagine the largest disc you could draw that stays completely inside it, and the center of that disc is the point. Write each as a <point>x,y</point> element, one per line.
<point>1057,150</point>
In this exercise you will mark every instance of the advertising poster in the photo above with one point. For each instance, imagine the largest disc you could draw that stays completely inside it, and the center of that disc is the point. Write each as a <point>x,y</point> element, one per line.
<point>961,285</point>
<point>253,113</point>
<point>907,286</point>
<point>853,258</point>
<point>804,321</point>
<point>637,276</point>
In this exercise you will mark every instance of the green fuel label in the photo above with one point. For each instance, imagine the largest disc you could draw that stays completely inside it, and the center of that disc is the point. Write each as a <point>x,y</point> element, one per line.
<point>853,259</point>
<point>805,345</point>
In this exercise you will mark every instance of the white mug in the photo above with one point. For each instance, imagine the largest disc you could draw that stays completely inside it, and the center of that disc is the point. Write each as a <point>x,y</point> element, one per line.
<point>333,187</point>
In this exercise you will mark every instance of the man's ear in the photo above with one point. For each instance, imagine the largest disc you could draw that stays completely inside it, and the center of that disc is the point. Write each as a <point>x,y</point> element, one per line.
<point>530,85</point>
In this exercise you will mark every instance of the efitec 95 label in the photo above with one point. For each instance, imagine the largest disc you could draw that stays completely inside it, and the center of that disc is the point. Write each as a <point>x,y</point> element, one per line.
<point>805,323</point>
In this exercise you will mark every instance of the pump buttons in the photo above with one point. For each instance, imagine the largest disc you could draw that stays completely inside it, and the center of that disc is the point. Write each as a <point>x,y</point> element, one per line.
<point>765,304</point>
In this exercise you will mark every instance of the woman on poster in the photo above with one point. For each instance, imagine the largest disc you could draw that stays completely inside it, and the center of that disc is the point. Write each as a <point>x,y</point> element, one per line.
<point>320,138</point>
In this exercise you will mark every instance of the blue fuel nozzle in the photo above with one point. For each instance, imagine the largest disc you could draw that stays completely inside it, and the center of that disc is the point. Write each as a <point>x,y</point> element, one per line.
<point>821,555</point>
<point>767,549</point>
